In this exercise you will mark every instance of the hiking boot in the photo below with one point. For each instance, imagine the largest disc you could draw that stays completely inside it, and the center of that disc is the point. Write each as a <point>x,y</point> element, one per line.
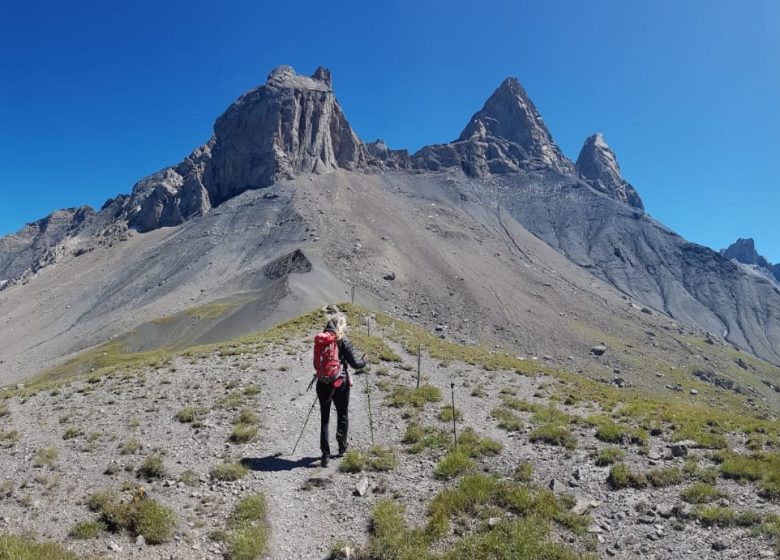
<point>324,461</point>
<point>342,449</point>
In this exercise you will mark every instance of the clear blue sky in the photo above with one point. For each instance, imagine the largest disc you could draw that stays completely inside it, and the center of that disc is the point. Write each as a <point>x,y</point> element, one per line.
<point>96,95</point>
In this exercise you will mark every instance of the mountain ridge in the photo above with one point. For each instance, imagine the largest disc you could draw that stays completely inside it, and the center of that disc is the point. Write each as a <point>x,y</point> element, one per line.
<point>503,175</point>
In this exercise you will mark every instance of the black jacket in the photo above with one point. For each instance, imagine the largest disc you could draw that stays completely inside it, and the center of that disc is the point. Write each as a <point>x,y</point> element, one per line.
<point>346,351</point>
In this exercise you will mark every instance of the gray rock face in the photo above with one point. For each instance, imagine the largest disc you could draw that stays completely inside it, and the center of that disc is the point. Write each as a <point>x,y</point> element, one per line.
<point>744,251</point>
<point>598,165</point>
<point>36,244</point>
<point>172,195</point>
<point>291,125</point>
<point>646,260</point>
<point>507,135</point>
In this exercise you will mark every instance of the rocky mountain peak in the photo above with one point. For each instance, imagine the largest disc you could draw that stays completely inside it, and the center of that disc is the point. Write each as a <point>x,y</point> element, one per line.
<point>598,165</point>
<point>285,77</point>
<point>744,251</point>
<point>510,114</point>
<point>506,135</point>
<point>290,125</point>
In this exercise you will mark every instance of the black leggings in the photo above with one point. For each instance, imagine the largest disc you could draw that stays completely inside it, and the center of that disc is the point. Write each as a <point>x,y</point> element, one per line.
<point>340,397</point>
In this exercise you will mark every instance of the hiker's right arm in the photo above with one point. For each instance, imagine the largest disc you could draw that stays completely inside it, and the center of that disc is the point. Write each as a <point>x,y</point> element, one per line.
<point>349,355</point>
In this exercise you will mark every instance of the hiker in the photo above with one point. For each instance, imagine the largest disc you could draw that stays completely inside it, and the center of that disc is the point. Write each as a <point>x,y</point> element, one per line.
<point>333,355</point>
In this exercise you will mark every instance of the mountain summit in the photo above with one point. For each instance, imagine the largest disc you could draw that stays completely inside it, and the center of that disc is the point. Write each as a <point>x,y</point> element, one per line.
<point>598,165</point>
<point>292,124</point>
<point>507,135</point>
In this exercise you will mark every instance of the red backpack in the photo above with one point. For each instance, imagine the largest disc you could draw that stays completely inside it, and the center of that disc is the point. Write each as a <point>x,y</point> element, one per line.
<point>326,357</point>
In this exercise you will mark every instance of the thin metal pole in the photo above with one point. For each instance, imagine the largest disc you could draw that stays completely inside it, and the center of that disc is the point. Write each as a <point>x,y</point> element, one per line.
<point>368,325</point>
<point>370,416</point>
<point>419,362</point>
<point>353,293</point>
<point>454,429</point>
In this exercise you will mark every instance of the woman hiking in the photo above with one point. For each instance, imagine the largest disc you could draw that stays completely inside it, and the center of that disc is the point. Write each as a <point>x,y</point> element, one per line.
<point>333,355</point>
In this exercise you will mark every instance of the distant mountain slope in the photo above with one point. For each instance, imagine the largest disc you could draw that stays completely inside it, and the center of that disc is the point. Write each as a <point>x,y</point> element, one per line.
<point>459,235</point>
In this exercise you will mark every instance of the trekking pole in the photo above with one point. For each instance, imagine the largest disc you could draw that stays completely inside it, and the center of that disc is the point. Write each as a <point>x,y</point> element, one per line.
<point>353,294</point>
<point>454,429</point>
<point>304,426</point>
<point>370,417</point>
<point>368,326</point>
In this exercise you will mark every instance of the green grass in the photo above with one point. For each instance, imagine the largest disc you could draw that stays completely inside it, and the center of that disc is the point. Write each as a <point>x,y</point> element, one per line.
<point>8,438</point>
<point>248,529</point>
<point>610,432</point>
<point>243,433</point>
<point>154,522</point>
<point>507,420</point>
<point>378,459</point>
<point>71,433</point>
<point>476,447</point>
<point>523,472</point>
<point>453,464</point>
<point>420,438</point>
<point>609,456</point>
<point>131,446</point>
<point>446,413</point>
<point>525,535</point>
<point>86,530</point>
<point>190,414</point>
<point>353,461</point>
<point>45,457</point>
<point>246,416</point>
<point>621,476</point>
<point>661,478</point>
<point>701,493</point>
<point>189,478</point>
<point>381,459</point>
<point>251,390</point>
<point>229,472</point>
<point>554,434</point>
<point>13,547</point>
<point>152,468</point>
<point>401,396</point>
<point>520,405</point>
<point>139,516</point>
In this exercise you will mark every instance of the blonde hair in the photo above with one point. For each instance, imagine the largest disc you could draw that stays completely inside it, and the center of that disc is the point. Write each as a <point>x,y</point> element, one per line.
<point>340,323</point>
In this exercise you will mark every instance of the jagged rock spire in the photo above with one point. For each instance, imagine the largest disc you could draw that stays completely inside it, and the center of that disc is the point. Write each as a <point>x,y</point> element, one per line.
<point>598,165</point>
<point>506,135</point>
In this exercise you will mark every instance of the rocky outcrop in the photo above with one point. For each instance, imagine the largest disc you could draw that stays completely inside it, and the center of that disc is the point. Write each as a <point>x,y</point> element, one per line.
<point>743,251</point>
<point>382,157</point>
<point>172,195</point>
<point>507,135</point>
<point>37,243</point>
<point>598,166</point>
<point>291,125</point>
